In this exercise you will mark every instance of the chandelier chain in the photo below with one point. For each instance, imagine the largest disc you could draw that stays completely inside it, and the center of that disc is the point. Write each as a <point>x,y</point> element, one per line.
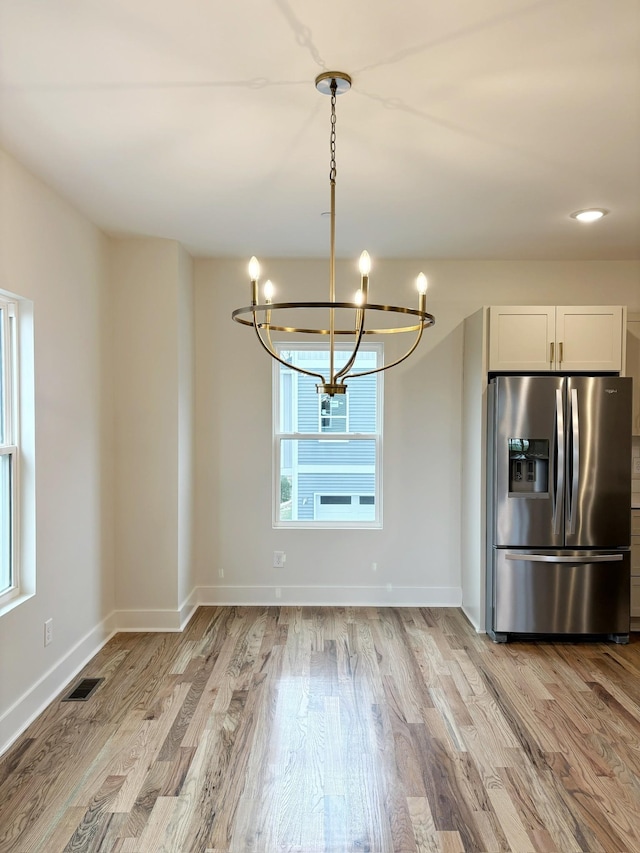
<point>332,145</point>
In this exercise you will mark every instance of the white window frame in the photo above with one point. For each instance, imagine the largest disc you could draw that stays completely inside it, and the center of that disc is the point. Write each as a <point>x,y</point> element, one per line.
<point>9,445</point>
<point>21,369</point>
<point>279,437</point>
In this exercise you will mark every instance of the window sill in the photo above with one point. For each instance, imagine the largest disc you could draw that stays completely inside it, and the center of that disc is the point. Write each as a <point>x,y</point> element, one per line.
<point>11,603</point>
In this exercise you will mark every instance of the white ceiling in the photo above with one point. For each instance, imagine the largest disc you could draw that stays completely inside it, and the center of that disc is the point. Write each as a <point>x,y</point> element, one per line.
<point>472,129</point>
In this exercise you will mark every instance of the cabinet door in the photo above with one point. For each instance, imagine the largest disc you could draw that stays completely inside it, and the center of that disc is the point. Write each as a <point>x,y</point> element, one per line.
<point>633,367</point>
<point>589,338</point>
<point>521,337</point>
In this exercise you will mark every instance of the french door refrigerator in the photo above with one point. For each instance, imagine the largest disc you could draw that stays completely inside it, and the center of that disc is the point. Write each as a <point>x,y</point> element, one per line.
<point>559,506</point>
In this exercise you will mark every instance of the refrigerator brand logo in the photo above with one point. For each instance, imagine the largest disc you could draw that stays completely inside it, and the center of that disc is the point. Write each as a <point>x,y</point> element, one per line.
<point>611,390</point>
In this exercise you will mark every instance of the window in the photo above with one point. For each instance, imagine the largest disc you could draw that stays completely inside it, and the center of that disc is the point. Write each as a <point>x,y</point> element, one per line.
<point>8,451</point>
<point>327,450</point>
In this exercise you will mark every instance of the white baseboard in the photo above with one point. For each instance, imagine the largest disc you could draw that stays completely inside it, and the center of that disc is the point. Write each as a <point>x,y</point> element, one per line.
<point>148,620</point>
<point>474,618</point>
<point>299,596</point>
<point>337,596</point>
<point>188,609</point>
<point>23,712</point>
<point>159,620</point>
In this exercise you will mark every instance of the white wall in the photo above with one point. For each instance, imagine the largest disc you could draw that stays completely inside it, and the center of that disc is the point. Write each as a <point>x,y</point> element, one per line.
<point>153,364</point>
<point>52,255</point>
<point>418,551</point>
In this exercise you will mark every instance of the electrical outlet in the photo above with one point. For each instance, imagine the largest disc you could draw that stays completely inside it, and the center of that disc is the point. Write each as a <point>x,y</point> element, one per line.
<point>636,464</point>
<point>374,567</point>
<point>220,573</point>
<point>279,558</point>
<point>48,632</point>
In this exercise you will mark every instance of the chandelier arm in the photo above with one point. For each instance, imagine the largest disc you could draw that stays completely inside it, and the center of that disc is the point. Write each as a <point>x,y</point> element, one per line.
<point>347,367</point>
<point>393,363</point>
<point>267,330</point>
<point>274,355</point>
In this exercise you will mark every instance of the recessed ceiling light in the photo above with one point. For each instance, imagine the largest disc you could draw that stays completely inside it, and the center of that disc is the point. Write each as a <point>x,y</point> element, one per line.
<point>589,215</point>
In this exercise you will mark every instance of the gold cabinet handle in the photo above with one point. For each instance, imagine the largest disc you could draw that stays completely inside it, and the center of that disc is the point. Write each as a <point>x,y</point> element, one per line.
<point>551,354</point>
<point>561,353</point>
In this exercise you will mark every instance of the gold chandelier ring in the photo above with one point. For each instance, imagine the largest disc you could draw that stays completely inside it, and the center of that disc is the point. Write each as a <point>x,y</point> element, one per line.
<point>240,316</point>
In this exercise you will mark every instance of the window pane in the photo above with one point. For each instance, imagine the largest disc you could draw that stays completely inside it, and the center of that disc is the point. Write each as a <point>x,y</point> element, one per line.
<point>301,407</point>
<point>5,522</point>
<point>327,480</point>
<point>2,383</point>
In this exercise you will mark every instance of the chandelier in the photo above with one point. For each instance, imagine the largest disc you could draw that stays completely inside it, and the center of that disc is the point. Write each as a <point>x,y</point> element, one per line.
<point>265,317</point>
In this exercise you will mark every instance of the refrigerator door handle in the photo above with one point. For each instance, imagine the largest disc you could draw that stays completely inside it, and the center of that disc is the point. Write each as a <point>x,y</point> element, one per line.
<point>558,492</point>
<point>550,558</point>
<point>575,461</point>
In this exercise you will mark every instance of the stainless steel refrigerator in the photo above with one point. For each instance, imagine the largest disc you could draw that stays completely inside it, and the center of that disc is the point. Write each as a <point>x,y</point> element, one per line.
<point>559,506</point>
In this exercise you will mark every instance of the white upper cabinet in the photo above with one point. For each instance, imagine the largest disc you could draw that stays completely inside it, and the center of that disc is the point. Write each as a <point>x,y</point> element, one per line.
<point>571,338</point>
<point>589,337</point>
<point>522,337</point>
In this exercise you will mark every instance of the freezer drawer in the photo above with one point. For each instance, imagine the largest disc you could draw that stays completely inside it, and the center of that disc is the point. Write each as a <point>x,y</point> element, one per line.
<point>568,592</point>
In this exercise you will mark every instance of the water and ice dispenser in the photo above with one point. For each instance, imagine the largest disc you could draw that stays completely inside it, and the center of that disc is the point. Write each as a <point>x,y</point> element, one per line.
<point>528,466</point>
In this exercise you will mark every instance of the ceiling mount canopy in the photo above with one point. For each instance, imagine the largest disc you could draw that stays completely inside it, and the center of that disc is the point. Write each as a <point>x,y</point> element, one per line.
<point>328,79</point>
<point>262,315</point>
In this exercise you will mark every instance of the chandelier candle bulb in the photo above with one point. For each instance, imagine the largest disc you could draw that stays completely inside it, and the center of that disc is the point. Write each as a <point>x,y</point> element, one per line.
<point>365,263</point>
<point>254,275</point>
<point>365,269</point>
<point>421,283</point>
<point>254,269</point>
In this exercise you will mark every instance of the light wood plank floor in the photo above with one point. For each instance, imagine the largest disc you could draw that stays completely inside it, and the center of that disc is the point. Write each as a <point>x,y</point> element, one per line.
<point>317,730</point>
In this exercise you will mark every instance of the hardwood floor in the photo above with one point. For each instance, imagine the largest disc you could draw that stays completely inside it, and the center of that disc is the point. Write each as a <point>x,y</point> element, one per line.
<point>317,730</point>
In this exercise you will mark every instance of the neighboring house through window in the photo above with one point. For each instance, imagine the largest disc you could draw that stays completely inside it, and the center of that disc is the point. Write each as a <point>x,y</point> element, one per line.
<point>327,449</point>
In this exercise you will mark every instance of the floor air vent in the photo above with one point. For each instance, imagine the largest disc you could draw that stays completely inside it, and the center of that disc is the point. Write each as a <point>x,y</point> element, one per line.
<point>83,690</point>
